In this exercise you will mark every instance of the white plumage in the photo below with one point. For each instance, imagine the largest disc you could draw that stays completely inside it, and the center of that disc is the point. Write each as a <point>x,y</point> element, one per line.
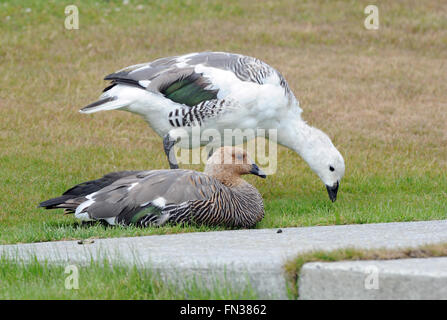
<point>217,90</point>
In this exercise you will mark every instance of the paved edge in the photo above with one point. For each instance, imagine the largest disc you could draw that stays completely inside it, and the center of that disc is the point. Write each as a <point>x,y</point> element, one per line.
<point>256,256</point>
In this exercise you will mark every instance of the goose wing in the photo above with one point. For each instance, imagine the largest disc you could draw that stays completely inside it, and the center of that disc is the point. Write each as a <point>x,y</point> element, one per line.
<point>172,77</point>
<point>197,77</point>
<point>199,85</point>
<point>124,199</point>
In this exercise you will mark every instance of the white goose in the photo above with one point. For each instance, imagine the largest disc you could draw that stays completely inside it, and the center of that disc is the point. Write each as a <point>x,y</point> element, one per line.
<point>221,91</point>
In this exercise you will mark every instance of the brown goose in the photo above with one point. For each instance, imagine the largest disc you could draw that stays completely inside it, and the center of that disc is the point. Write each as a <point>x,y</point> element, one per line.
<point>218,196</point>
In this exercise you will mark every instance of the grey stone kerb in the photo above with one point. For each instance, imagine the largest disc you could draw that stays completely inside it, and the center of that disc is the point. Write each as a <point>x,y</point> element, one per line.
<point>383,279</point>
<point>255,255</point>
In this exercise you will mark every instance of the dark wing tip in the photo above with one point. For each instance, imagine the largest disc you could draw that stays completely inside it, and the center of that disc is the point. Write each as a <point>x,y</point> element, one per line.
<point>116,75</point>
<point>52,203</point>
<point>98,103</point>
<point>110,86</point>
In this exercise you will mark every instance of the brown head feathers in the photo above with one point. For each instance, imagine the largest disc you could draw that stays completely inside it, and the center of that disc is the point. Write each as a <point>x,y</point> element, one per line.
<point>227,164</point>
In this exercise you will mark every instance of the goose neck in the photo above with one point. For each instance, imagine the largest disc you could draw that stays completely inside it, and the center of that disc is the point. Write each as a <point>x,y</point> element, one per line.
<point>295,134</point>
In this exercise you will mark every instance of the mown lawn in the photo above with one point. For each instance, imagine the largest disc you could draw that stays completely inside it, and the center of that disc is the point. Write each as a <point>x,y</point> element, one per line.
<point>104,281</point>
<point>381,95</point>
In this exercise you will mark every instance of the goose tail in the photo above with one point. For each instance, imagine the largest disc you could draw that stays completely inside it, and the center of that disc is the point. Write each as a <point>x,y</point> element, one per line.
<point>63,202</point>
<point>108,103</point>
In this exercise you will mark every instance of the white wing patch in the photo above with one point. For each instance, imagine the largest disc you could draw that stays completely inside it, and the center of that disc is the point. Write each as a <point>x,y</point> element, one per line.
<point>182,61</point>
<point>230,86</point>
<point>84,216</point>
<point>132,186</point>
<point>111,220</point>
<point>144,83</point>
<point>160,202</point>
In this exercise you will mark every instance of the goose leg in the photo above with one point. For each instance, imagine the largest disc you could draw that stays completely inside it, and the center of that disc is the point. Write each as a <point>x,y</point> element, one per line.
<point>210,147</point>
<point>168,145</point>
<point>210,152</point>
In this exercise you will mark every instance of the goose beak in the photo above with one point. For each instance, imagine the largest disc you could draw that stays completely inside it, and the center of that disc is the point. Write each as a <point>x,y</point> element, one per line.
<point>332,191</point>
<point>257,172</point>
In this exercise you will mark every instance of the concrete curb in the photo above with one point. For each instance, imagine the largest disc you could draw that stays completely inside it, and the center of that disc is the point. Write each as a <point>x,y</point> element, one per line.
<point>403,279</point>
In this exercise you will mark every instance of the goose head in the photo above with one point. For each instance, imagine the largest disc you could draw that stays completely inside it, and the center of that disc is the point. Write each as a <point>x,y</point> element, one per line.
<point>229,163</point>
<point>325,160</point>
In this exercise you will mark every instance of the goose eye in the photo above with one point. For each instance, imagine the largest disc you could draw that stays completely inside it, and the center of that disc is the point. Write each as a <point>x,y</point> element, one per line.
<point>331,168</point>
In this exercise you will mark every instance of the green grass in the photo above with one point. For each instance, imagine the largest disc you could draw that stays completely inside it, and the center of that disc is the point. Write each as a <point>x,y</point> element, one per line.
<point>380,95</point>
<point>104,281</point>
